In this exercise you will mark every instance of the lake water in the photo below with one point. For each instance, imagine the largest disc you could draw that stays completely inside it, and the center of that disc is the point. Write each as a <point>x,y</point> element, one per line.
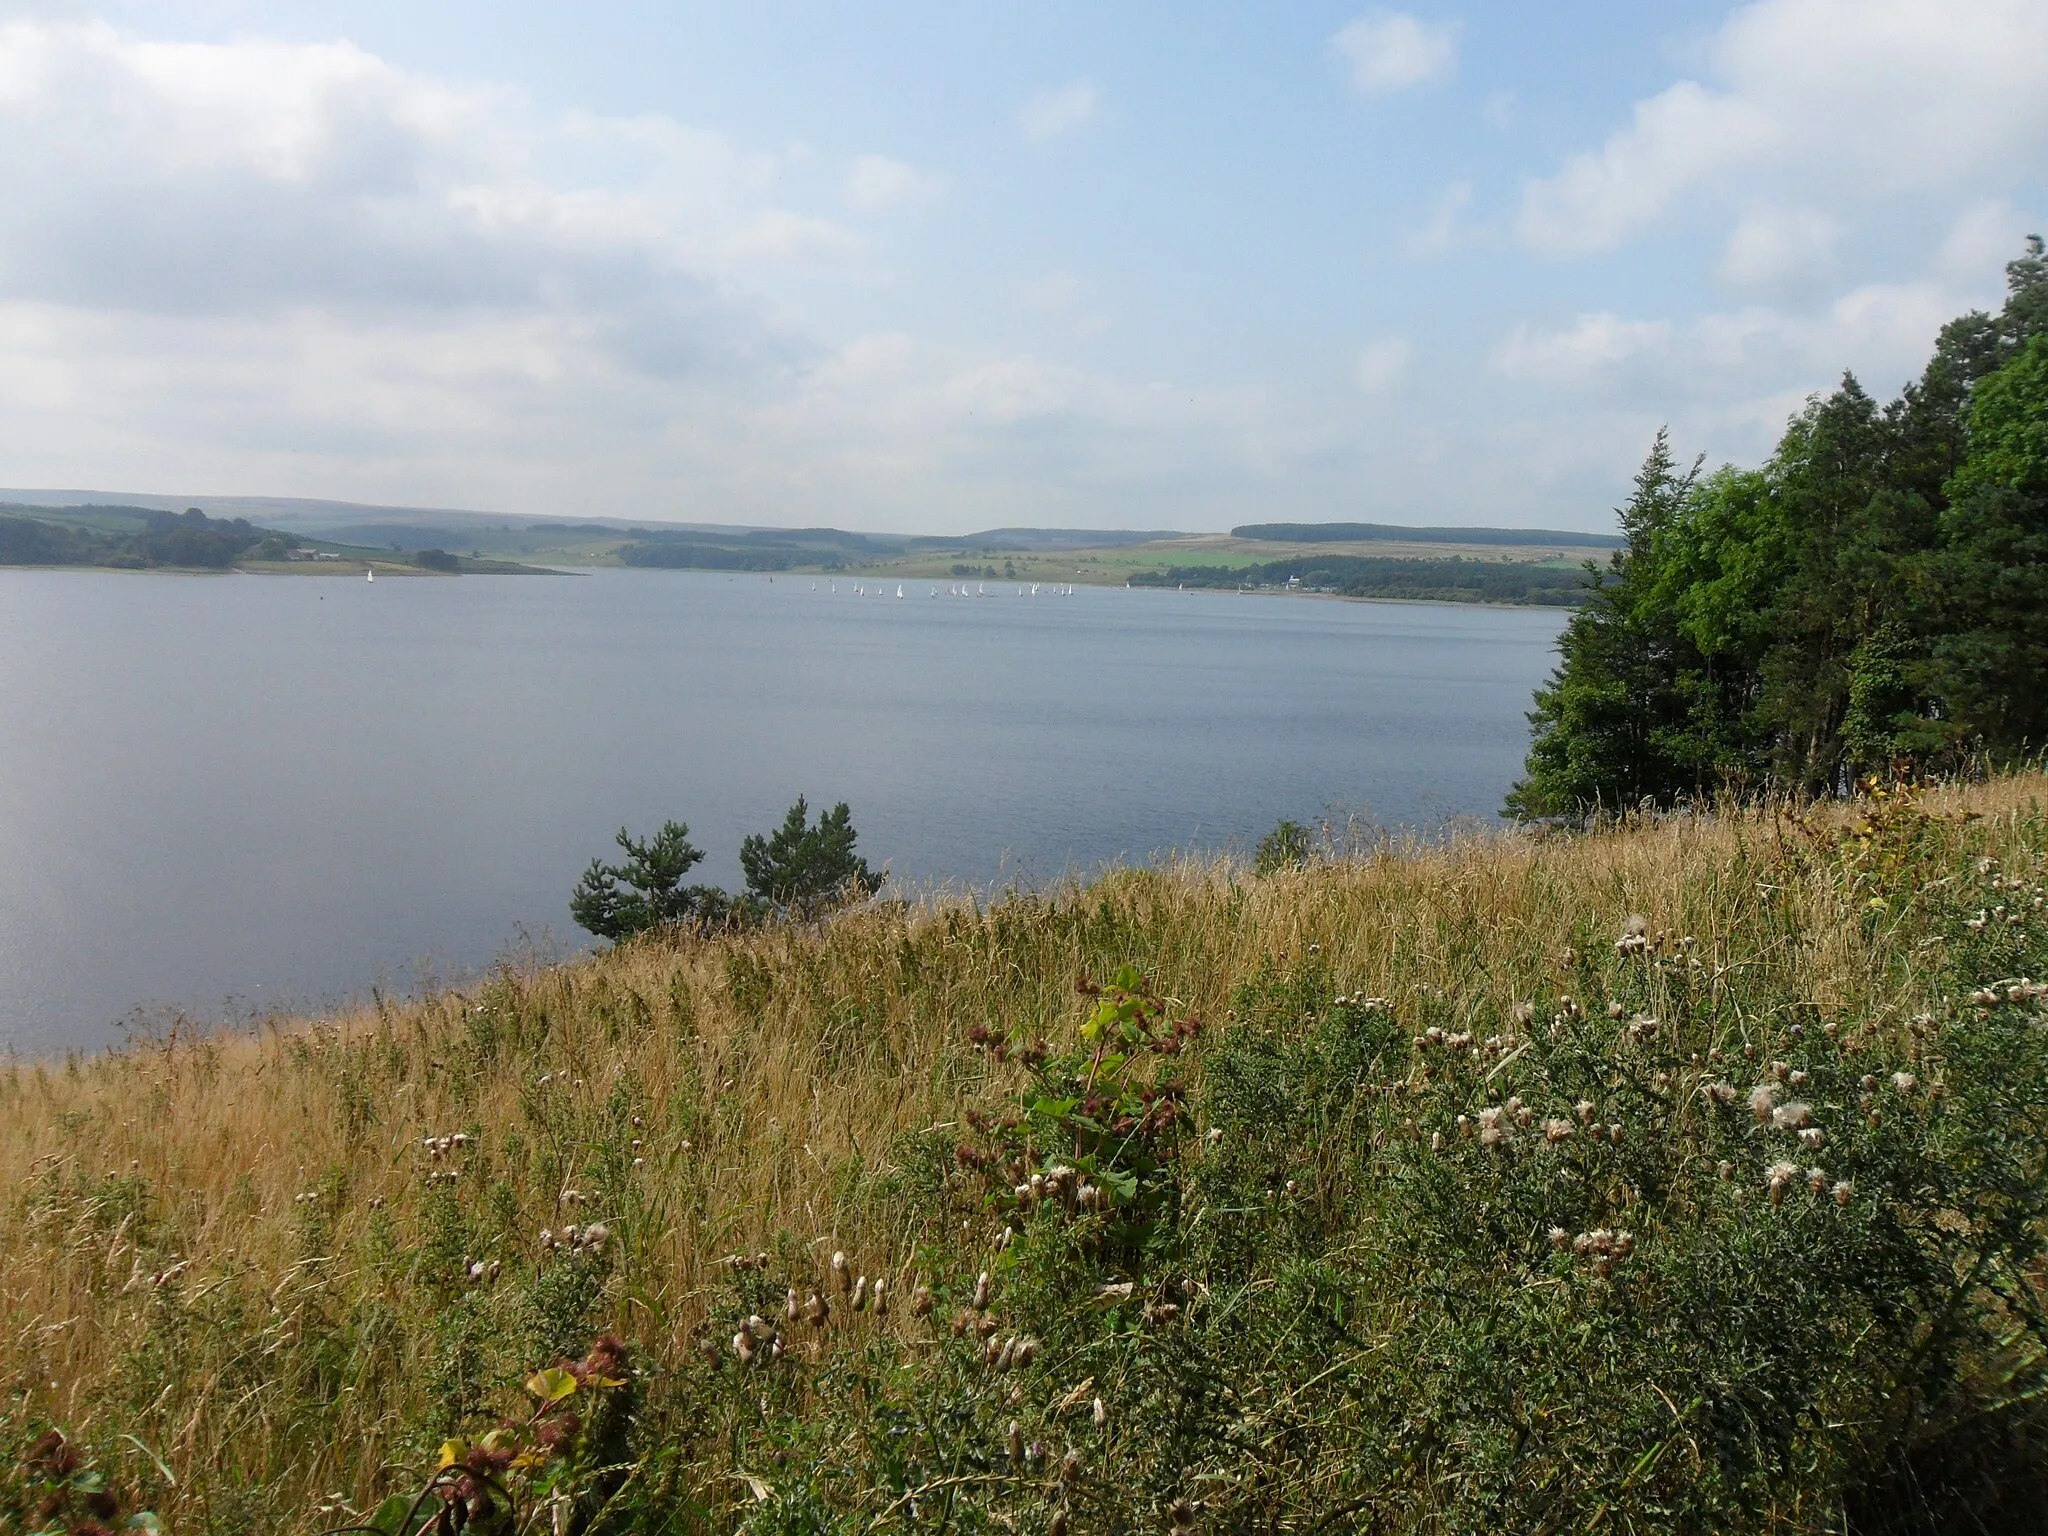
<point>231,794</point>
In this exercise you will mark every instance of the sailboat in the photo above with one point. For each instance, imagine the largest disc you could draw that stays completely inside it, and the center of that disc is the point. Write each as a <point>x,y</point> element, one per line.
<point>369,575</point>
<point>899,589</point>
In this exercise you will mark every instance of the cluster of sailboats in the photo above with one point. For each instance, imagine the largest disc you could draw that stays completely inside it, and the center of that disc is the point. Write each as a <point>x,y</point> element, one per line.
<point>956,589</point>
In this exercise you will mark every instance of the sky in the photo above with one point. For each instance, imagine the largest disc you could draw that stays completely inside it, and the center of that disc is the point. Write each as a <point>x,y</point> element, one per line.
<point>949,266</point>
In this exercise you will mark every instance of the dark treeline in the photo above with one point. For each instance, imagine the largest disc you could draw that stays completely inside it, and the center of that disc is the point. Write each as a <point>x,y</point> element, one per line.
<point>1447,581</point>
<point>1874,597</point>
<point>685,555</point>
<point>1387,533</point>
<point>189,538</point>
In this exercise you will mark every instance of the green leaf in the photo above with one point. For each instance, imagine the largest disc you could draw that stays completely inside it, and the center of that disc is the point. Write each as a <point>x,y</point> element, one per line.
<point>389,1517</point>
<point>552,1385</point>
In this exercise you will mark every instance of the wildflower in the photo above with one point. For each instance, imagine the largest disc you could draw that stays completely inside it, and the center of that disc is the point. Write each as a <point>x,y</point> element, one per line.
<point>1614,1134</point>
<point>981,1285</point>
<point>1616,1008</point>
<point>1524,1013</point>
<point>1813,1138</point>
<point>1624,1244</point>
<point>1724,1170</point>
<point>1790,1117</point>
<point>1762,1099</point>
<point>1436,1141</point>
<point>860,1293</point>
<point>1843,1190</point>
<point>1215,1135</point>
<point>1493,1130</point>
<point>1016,1441</point>
<point>1816,1180</point>
<point>921,1302</point>
<point>842,1271</point>
<point>1555,1130</point>
<point>791,1309</point>
<point>1585,1109</point>
<point>1099,1414</point>
<point>596,1235</point>
<point>818,1310</point>
<point>1182,1514</point>
<point>1560,1239</point>
<point>1111,1294</point>
<point>743,1346</point>
<point>1070,1466</point>
<point>1464,1126</point>
<point>1905,1082</point>
<point>1058,1525</point>
<point>880,1297</point>
<point>1026,1348</point>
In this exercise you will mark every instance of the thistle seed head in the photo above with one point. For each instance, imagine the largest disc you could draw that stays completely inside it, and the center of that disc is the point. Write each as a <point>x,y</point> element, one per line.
<point>1763,1100</point>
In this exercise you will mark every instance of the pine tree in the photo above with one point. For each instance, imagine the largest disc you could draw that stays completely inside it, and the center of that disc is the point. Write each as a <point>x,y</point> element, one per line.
<point>805,870</point>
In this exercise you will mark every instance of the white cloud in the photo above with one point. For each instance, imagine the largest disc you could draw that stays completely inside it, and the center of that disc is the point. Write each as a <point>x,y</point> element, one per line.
<point>301,270</point>
<point>1392,51</point>
<point>1052,113</point>
<point>1384,364</point>
<point>877,183</point>
<point>1817,101</point>
<point>1984,236</point>
<point>1443,230</point>
<point>1781,247</point>
<point>1580,354</point>
<point>1881,331</point>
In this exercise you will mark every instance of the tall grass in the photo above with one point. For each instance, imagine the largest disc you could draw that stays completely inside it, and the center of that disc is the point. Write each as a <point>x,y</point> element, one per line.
<point>259,1278</point>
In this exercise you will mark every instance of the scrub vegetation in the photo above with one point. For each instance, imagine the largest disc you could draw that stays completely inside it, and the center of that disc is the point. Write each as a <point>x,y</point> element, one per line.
<point>1686,1174</point>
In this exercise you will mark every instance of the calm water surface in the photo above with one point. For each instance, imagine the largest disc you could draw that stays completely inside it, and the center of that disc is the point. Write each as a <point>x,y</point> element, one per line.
<point>234,793</point>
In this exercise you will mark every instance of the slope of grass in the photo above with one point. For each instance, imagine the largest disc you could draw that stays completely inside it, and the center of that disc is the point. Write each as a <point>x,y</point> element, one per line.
<point>1452,1188</point>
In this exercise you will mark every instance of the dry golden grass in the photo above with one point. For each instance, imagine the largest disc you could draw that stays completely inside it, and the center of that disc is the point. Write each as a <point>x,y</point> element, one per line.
<point>206,1241</point>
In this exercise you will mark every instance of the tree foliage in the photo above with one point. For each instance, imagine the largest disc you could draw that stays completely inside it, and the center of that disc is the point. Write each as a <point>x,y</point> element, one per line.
<point>1874,596</point>
<point>616,901</point>
<point>804,870</point>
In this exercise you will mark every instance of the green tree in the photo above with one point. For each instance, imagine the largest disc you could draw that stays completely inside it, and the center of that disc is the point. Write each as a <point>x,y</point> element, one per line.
<point>805,870</point>
<point>1994,657</point>
<point>1287,846</point>
<point>1604,725</point>
<point>616,901</point>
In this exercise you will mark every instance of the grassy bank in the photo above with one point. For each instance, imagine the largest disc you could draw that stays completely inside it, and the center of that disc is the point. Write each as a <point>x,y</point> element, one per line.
<point>1677,1177</point>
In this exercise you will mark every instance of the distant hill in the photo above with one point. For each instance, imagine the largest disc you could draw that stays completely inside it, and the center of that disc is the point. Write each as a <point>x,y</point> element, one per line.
<point>1394,533</point>
<point>1054,538</point>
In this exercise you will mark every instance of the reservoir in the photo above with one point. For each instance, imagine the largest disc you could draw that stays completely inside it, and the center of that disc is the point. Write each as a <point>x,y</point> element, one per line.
<point>237,794</point>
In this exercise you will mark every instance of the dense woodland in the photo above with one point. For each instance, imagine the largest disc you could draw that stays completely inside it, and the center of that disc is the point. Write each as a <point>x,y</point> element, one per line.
<point>134,538</point>
<point>1873,598</point>
<point>1454,580</point>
